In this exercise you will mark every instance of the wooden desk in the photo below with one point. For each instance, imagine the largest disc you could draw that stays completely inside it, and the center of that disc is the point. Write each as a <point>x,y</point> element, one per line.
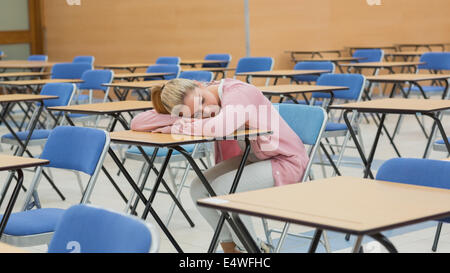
<point>175,142</point>
<point>193,63</point>
<point>14,163</point>
<point>289,90</point>
<point>414,79</point>
<point>281,74</point>
<point>19,64</point>
<point>335,60</point>
<point>106,108</point>
<point>408,56</point>
<point>368,208</point>
<point>429,107</point>
<point>34,85</point>
<point>313,53</point>
<point>381,65</point>
<point>131,67</point>
<point>419,45</point>
<point>133,76</point>
<point>7,249</point>
<point>352,49</point>
<point>121,89</point>
<point>17,75</point>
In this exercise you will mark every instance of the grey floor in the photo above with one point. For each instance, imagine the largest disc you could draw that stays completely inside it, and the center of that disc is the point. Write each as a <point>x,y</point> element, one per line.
<point>410,141</point>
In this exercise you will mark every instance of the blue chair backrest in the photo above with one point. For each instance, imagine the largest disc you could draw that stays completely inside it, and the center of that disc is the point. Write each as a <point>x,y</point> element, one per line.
<point>306,121</point>
<point>75,148</point>
<point>329,66</point>
<point>254,64</point>
<point>420,172</point>
<point>94,79</point>
<point>69,70</point>
<point>435,61</point>
<point>169,68</point>
<point>84,59</point>
<point>218,57</point>
<point>201,76</point>
<point>369,55</point>
<point>355,83</point>
<point>88,229</point>
<point>38,58</point>
<point>168,60</point>
<point>64,91</point>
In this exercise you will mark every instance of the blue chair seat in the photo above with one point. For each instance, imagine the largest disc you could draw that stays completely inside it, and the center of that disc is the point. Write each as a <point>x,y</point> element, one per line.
<point>81,97</point>
<point>162,151</point>
<point>441,141</point>
<point>428,89</point>
<point>32,222</point>
<point>331,126</point>
<point>37,134</point>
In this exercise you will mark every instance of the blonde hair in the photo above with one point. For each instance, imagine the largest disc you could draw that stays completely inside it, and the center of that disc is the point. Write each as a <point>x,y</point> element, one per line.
<point>167,96</point>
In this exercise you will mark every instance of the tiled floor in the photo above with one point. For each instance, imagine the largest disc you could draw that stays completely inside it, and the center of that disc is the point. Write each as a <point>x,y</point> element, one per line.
<point>410,141</point>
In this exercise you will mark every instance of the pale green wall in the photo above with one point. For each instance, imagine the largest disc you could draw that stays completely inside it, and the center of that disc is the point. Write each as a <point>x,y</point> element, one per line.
<point>14,16</point>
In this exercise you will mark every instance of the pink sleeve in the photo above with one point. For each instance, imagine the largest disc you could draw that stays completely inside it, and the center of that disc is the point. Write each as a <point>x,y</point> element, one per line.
<point>152,121</point>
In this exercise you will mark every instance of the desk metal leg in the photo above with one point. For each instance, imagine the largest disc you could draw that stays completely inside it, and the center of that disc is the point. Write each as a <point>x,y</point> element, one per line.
<point>225,216</point>
<point>315,241</point>
<point>11,202</point>
<point>438,124</point>
<point>247,240</point>
<point>144,200</point>
<point>384,242</point>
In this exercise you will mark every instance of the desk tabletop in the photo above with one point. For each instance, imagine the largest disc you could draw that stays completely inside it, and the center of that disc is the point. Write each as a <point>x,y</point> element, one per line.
<point>139,75</point>
<point>212,69</point>
<point>8,163</point>
<point>281,73</point>
<point>343,204</point>
<point>382,64</point>
<point>7,249</point>
<point>106,108</point>
<point>313,51</point>
<point>332,59</point>
<point>420,44</point>
<point>137,85</point>
<point>406,106</point>
<point>170,140</point>
<point>24,64</point>
<point>200,61</point>
<point>406,53</point>
<point>125,66</point>
<point>407,77</point>
<point>373,47</point>
<point>298,88</point>
<point>39,82</point>
<point>24,74</point>
<point>24,97</point>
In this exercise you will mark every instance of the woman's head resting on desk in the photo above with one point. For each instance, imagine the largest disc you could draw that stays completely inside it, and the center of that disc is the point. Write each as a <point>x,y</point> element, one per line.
<point>186,98</point>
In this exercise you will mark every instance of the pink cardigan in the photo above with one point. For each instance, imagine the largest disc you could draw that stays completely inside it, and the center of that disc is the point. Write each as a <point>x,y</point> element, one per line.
<point>243,105</point>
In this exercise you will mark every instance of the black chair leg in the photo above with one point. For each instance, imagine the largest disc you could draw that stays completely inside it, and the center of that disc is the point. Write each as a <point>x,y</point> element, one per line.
<point>436,237</point>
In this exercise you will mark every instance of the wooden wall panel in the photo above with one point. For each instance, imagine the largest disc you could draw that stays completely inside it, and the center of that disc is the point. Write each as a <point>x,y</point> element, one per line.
<point>118,31</point>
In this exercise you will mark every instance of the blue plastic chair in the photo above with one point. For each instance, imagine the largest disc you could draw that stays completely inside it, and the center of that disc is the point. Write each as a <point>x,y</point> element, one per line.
<point>84,59</point>
<point>329,66</point>
<point>217,57</point>
<point>421,172</point>
<point>70,70</point>
<point>168,60</point>
<point>201,76</point>
<point>94,80</point>
<point>169,68</point>
<point>67,149</point>
<point>434,62</point>
<point>38,58</point>
<point>308,122</point>
<point>2,54</point>
<point>254,64</point>
<point>65,92</point>
<point>369,55</point>
<point>88,229</point>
